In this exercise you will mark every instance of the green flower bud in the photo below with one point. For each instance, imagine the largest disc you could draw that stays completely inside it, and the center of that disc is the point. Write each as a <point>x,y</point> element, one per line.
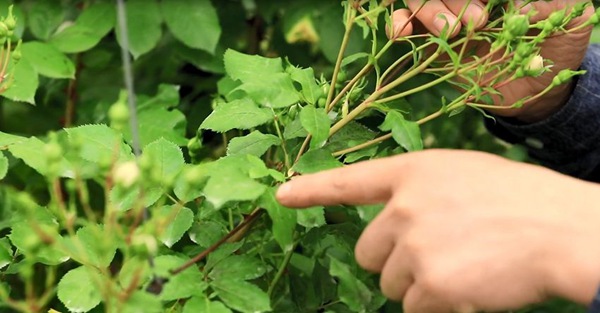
<point>194,145</point>
<point>565,76</point>
<point>595,18</point>
<point>118,114</point>
<point>517,25</point>
<point>10,20</point>
<point>53,152</point>
<point>557,18</point>
<point>322,102</point>
<point>3,29</point>
<point>195,176</point>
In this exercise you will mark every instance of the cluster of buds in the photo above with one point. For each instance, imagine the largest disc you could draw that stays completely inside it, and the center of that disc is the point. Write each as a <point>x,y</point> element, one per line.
<point>7,26</point>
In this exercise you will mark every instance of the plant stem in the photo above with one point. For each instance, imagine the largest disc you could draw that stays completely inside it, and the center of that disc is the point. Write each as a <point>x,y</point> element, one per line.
<point>282,267</point>
<point>286,155</point>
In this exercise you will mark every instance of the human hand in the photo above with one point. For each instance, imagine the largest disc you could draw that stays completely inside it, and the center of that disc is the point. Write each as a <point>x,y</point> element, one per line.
<point>467,231</point>
<point>566,50</point>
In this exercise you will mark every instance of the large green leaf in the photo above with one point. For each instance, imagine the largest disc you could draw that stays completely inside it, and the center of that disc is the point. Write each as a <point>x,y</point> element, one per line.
<point>87,31</point>
<point>143,26</point>
<point>47,60</point>
<point>78,291</point>
<point>405,133</point>
<point>242,296</point>
<point>177,220</point>
<point>9,139</point>
<point>25,83</point>
<point>92,245</point>
<point>167,159</point>
<point>283,219</point>
<point>273,91</point>
<point>317,123</point>
<point>311,217</point>
<point>99,143</point>
<point>24,237</point>
<point>243,267</point>
<point>256,143</point>
<point>240,114</point>
<point>247,68</point>
<point>316,161</point>
<point>194,22</point>
<point>231,184</point>
<point>29,151</point>
<point>311,92</point>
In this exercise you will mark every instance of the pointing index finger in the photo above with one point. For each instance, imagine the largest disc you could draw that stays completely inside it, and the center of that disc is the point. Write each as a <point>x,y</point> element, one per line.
<point>362,183</point>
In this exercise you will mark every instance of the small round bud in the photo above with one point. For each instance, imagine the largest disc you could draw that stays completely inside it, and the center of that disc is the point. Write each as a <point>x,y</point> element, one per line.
<point>126,174</point>
<point>11,22</point>
<point>535,65</point>
<point>557,18</point>
<point>517,25</point>
<point>144,245</point>
<point>53,152</point>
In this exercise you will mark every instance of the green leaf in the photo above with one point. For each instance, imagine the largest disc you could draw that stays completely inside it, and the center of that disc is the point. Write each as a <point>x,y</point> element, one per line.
<point>195,23</point>
<point>24,85</point>
<point>99,143</point>
<point>92,245</point>
<point>238,114</point>
<point>141,302</point>
<point>248,68</point>
<point>204,305</point>
<point>44,18</point>
<point>3,166</point>
<point>295,130</point>
<point>9,139</point>
<point>256,143</point>
<point>29,151</point>
<point>240,267</point>
<point>77,289</point>
<point>351,290</point>
<point>350,136</point>
<point>90,27</point>
<point>206,233</point>
<point>405,133</point>
<point>311,217</point>
<point>311,92</point>
<point>283,219</point>
<point>24,237</point>
<point>242,296</point>
<point>316,161</point>
<point>99,17</point>
<point>274,91</point>
<point>6,253</point>
<point>368,213</point>
<point>188,283</point>
<point>143,26</point>
<point>167,159</point>
<point>178,220</point>
<point>317,123</point>
<point>232,185</point>
<point>47,60</point>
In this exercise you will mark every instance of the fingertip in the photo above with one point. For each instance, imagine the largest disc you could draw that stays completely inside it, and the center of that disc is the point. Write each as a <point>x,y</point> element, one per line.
<point>284,194</point>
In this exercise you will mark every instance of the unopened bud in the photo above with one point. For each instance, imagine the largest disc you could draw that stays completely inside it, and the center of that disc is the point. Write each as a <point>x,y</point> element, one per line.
<point>126,174</point>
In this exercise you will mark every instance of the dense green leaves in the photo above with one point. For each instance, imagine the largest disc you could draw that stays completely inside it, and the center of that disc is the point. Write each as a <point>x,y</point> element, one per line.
<point>242,267</point>
<point>183,285</point>
<point>317,123</point>
<point>283,219</point>
<point>351,290</point>
<point>194,22</point>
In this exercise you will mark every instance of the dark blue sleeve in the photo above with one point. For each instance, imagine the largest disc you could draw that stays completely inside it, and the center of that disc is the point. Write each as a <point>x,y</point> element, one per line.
<point>569,140</point>
<point>595,307</point>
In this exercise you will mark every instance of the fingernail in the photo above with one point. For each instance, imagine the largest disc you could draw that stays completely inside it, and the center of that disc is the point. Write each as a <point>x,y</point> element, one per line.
<point>284,191</point>
<point>476,14</point>
<point>443,21</point>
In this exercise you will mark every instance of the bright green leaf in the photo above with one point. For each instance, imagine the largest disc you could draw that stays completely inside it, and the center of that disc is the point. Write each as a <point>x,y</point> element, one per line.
<point>27,241</point>
<point>405,133</point>
<point>47,60</point>
<point>295,130</point>
<point>99,143</point>
<point>6,254</point>
<point>283,219</point>
<point>311,92</point>
<point>273,91</point>
<point>143,26</point>
<point>9,139</point>
<point>24,85</point>
<point>77,289</point>
<point>242,296</point>
<point>231,184</point>
<point>178,220</point>
<point>242,267</point>
<point>256,143</point>
<point>167,159</point>
<point>316,161</point>
<point>204,305</point>
<point>240,114</point>
<point>141,302</point>
<point>92,245</point>
<point>194,22</point>
<point>99,17</point>
<point>247,68</point>
<point>317,123</point>
<point>29,151</point>
<point>351,290</point>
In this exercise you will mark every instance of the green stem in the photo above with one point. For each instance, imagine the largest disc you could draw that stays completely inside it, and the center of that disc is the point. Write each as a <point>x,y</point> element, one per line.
<point>286,155</point>
<point>282,267</point>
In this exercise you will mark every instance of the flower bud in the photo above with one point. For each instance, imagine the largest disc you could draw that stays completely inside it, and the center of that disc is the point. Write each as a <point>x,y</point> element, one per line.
<point>557,18</point>
<point>536,64</point>
<point>10,20</point>
<point>126,174</point>
<point>517,25</point>
<point>565,76</point>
